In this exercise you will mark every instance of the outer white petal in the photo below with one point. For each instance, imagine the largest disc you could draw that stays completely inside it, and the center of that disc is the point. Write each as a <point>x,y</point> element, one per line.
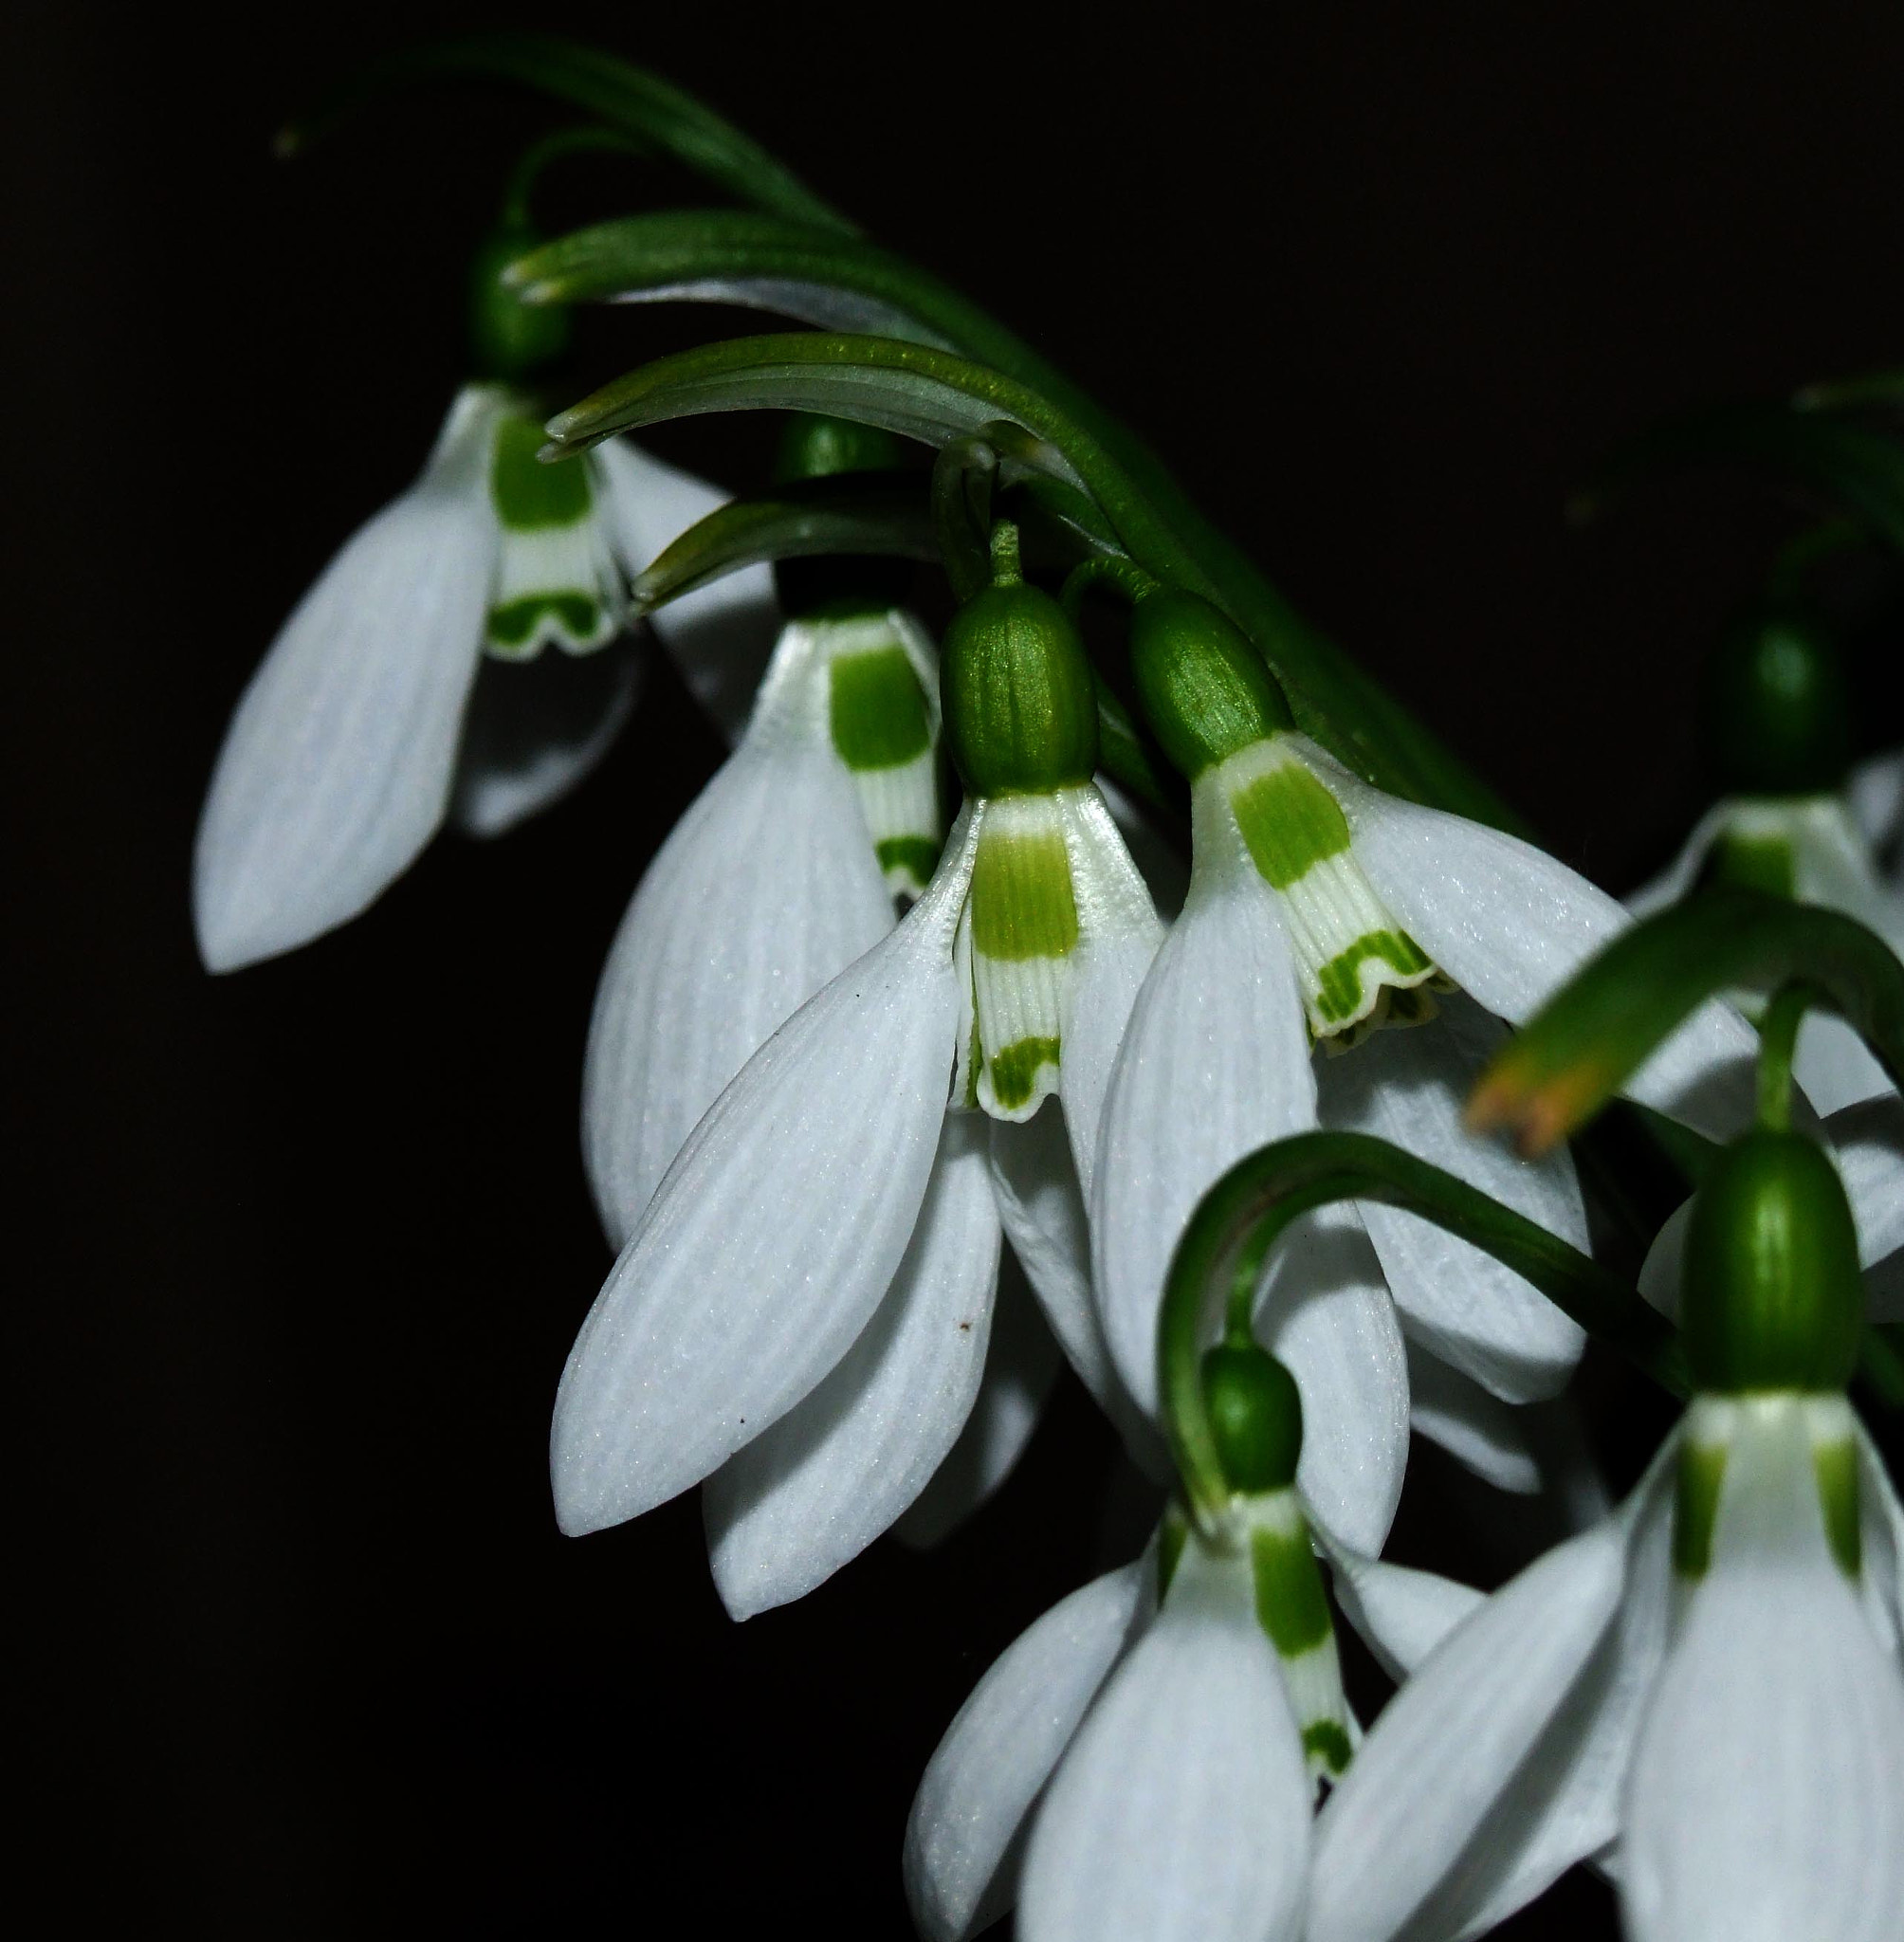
<point>965,1835</point>
<point>536,729</point>
<point>1475,1427</point>
<point>1451,1742</point>
<point>1867,1142</point>
<point>1834,868</point>
<point>774,1236</point>
<point>721,634</point>
<point>1326,1313</point>
<point>1402,1614</point>
<point>1510,923</point>
<point>1881,1518</point>
<point>765,889</point>
<point>1835,1067</point>
<point>1214,1063</point>
<point>809,1494</point>
<point>336,767</point>
<point>1022,1359</point>
<point>1876,792</point>
<point>1409,1088</point>
<point>1180,1812</point>
<point>1159,861</point>
<point>1678,877</point>
<point>1118,933</point>
<point>1766,1799</point>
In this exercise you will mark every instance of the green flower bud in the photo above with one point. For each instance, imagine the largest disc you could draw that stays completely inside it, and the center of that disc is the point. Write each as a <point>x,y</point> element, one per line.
<point>1203,686</point>
<point>836,586</point>
<point>509,339</point>
<point>1772,1298</point>
<point>1021,710</point>
<point>1256,1416</point>
<point>1780,707</point>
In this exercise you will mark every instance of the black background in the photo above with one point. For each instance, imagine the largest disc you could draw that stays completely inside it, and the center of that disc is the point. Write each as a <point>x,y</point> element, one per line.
<point>297,1254</point>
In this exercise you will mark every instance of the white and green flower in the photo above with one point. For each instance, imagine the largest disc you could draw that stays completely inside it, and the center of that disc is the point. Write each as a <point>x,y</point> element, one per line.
<point>1321,908</point>
<point>800,1313</point>
<point>341,759</point>
<point>781,873</point>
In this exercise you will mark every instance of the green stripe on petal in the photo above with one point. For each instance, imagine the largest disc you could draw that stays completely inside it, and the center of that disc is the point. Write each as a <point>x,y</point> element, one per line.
<point>1326,1743</point>
<point>1021,900</point>
<point>1752,863</point>
<point>1291,1603</point>
<point>1289,820</point>
<point>1835,1464</point>
<point>1014,1069</point>
<point>877,709</point>
<point>1695,1505</point>
<point>910,857</point>
<point>519,627</point>
<point>528,495</point>
<point>1349,982</point>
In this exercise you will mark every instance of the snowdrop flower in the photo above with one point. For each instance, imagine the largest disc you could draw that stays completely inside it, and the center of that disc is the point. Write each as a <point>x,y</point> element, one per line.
<point>1790,823</point>
<point>1137,1770</point>
<point>1319,909</point>
<point>782,872</point>
<point>800,1313</point>
<point>339,762</point>
<point>1704,1690</point>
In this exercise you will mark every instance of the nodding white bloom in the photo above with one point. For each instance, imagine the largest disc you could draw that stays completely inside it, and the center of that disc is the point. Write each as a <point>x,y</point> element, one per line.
<point>781,873</point>
<point>1133,1770</point>
<point>1811,849</point>
<point>339,762</point>
<point>1319,909</point>
<point>800,1313</point>
<point>1703,1689</point>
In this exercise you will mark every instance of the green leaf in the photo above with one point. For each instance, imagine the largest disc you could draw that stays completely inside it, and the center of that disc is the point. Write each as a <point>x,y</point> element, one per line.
<point>1219,1261</point>
<point>614,91</point>
<point>836,281</point>
<point>848,513</point>
<point>1879,390</point>
<point>1610,1016</point>
<point>1851,465</point>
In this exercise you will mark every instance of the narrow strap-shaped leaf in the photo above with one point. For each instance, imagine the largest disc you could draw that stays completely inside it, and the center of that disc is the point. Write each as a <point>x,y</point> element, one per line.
<point>1852,465</point>
<point>838,283</point>
<point>1219,1259</point>
<point>1608,1019</point>
<point>626,97</point>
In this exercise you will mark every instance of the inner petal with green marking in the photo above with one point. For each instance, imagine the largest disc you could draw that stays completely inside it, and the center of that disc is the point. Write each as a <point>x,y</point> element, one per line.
<point>884,731</point>
<point>556,581</point>
<point>1293,1609</point>
<point>1358,968</point>
<point>1018,933</point>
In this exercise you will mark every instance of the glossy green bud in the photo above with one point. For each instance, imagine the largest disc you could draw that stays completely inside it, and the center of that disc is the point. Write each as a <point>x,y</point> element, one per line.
<point>1779,705</point>
<point>1203,687</point>
<point>1021,710</point>
<point>1772,1298</point>
<point>1256,1416</point>
<point>836,586</point>
<point>509,339</point>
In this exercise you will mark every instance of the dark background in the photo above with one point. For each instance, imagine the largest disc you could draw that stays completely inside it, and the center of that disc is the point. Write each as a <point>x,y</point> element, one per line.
<point>298,1254</point>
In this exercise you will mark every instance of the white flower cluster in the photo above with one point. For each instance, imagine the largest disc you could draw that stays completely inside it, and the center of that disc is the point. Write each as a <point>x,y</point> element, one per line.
<point>843,1055</point>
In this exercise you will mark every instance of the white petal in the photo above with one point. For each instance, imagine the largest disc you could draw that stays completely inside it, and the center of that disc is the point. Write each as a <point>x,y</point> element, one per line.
<point>772,1238</point>
<point>1159,861</point>
<point>765,889</point>
<point>535,730</point>
<point>963,1836</point>
<point>1409,1088</point>
<point>1402,1614</point>
<point>1448,1746</point>
<point>336,767</point>
<point>1510,924</point>
<point>1475,1427</point>
<point>1022,1359</point>
<point>1215,1064</point>
<point>789,1509</point>
<point>1881,1527</point>
<point>1767,1798</point>
<point>1867,1142</point>
<point>1118,934</point>
<point>1834,867</point>
<point>1325,1311</point>
<point>719,635</point>
<point>1835,1067</point>
<point>1678,877</point>
<point>1876,792</point>
<point>1180,1812</point>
